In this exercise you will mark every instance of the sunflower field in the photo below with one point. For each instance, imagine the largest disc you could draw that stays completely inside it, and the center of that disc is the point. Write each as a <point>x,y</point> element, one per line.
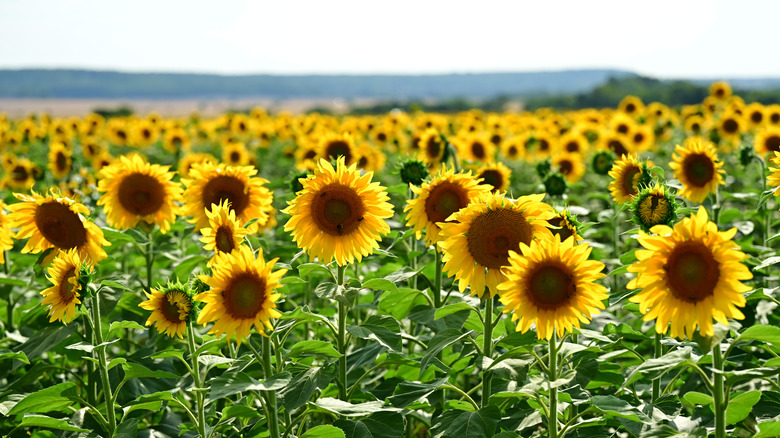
<point>592,273</point>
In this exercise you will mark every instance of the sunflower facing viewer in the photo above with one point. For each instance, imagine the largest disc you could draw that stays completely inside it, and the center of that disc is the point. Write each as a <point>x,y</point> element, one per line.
<point>697,167</point>
<point>339,214</point>
<point>689,275</point>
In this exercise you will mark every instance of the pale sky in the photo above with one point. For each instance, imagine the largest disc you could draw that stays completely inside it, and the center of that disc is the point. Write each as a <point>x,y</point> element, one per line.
<point>666,39</point>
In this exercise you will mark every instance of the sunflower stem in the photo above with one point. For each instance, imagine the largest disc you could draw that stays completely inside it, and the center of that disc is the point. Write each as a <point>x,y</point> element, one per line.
<point>101,353</point>
<point>197,380</point>
<point>437,279</point>
<point>273,419</point>
<point>342,339</point>
<point>149,255</point>
<point>487,349</point>
<point>412,247</point>
<point>616,248</point>
<point>718,395</point>
<point>657,352</point>
<point>552,416</point>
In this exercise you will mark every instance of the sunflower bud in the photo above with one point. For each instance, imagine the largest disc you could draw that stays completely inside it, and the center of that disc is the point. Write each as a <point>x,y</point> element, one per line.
<point>746,154</point>
<point>654,206</point>
<point>413,172</point>
<point>603,161</point>
<point>543,168</point>
<point>555,184</point>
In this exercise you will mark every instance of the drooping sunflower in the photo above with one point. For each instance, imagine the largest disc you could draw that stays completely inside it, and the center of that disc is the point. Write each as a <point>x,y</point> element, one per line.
<point>339,213</point>
<point>211,183</point>
<point>688,276</point>
<point>767,141</point>
<point>628,176</point>
<point>565,225</point>
<point>437,199</point>
<point>476,244</point>
<point>64,275</point>
<point>6,243</point>
<point>654,206</point>
<point>56,222</point>
<point>60,161</point>
<point>495,175</point>
<point>224,234</point>
<point>552,284</point>
<point>242,294</point>
<point>135,191</point>
<point>172,308</point>
<point>697,167</point>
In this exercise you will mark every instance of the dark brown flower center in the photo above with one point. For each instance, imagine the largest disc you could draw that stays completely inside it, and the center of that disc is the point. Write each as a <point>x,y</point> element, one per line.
<point>433,147</point>
<point>67,290</point>
<point>223,240</point>
<point>61,161</point>
<point>169,309</point>
<point>630,175</point>
<point>772,143</point>
<point>617,147</point>
<point>226,188</point>
<point>551,285</point>
<point>564,231</point>
<point>493,234</point>
<point>699,169</point>
<point>60,225</point>
<point>730,126</point>
<point>756,116</point>
<point>244,296</point>
<point>337,148</point>
<point>493,178</point>
<point>692,271</point>
<point>141,194</point>
<point>337,209</point>
<point>443,200</point>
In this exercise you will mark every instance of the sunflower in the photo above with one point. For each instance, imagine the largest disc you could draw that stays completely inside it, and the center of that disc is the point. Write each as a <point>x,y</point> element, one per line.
<point>186,162</point>
<point>767,141</point>
<point>569,165</point>
<point>211,183</point>
<point>654,206</point>
<point>628,176</point>
<point>619,144</point>
<point>552,284</point>
<point>56,222</point>
<point>6,243</point>
<point>64,275</point>
<point>754,114</point>
<point>730,126</point>
<point>513,148</point>
<point>172,308</point>
<point>688,276</point>
<point>698,169</point>
<point>235,154</point>
<point>339,213</point>
<point>565,225</point>
<point>60,161</point>
<point>19,173</point>
<point>695,124</point>
<point>438,199</point>
<point>631,105</point>
<point>720,90</point>
<point>306,155</point>
<point>241,295</point>
<point>224,234</point>
<point>333,146</point>
<point>136,191</point>
<point>476,147</point>
<point>573,143</point>
<point>495,175</point>
<point>477,243</point>
<point>432,149</point>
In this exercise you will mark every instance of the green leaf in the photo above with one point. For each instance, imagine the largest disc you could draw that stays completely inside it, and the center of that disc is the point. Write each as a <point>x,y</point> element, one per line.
<point>728,215</point>
<point>765,333</point>
<point>291,279</point>
<point>407,393</point>
<point>118,325</point>
<point>377,425</point>
<point>380,284</point>
<point>89,348</point>
<point>628,258</point>
<point>186,267</point>
<point>347,409</point>
<point>313,348</point>
<point>324,431</point>
<point>12,281</point>
<point>383,329</point>
<point>654,368</point>
<point>239,411</point>
<point>116,361</point>
<point>768,429</point>
<point>303,386</point>
<point>232,383</point>
<point>439,342</point>
<point>697,398</point>
<point>134,371</point>
<point>114,285</point>
<point>769,261</point>
<point>304,270</point>
<point>153,406</point>
<point>452,308</point>
<point>115,236</point>
<point>326,289</point>
<point>46,339</point>
<point>740,406</point>
<point>463,424</point>
<point>54,398</point>
<point>614,406</point>
<point>49,422</point>
<point>18,355</point>
<point>210,360</point>
<point>167,353</point>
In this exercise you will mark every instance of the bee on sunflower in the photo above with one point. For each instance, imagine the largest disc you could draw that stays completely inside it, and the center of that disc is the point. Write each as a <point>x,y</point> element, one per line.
<point>339,214</point>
